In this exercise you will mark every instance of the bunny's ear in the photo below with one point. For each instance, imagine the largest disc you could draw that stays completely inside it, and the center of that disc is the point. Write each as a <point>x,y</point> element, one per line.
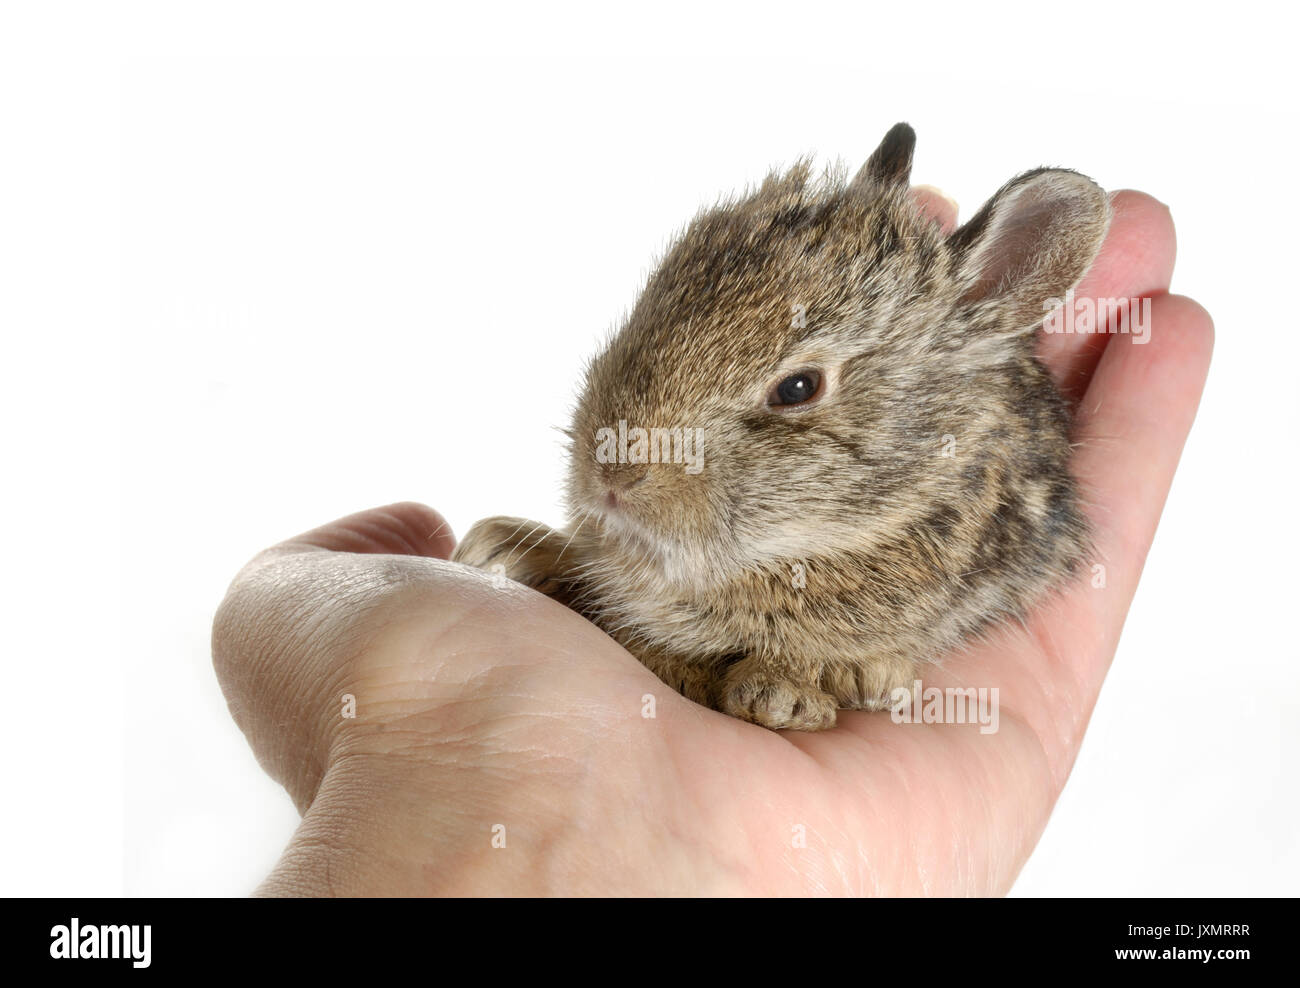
<point>1031,243</point>
<point>891,163</point>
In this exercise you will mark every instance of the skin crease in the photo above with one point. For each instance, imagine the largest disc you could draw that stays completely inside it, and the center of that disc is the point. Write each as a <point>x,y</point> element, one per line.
<point>478,706</point>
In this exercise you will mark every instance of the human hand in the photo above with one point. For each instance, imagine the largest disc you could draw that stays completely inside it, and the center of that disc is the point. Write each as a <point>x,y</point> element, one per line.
<point>480,707</point>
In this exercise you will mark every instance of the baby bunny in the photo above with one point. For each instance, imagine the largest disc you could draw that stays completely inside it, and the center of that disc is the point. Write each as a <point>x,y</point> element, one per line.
<point>821,451</point>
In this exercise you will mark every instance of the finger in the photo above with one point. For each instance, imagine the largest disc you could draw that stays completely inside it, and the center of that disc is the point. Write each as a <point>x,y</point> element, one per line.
<point>936,206</point>
<point>1132,425</point>
<point>1136,261</point>
<point>406,528</point>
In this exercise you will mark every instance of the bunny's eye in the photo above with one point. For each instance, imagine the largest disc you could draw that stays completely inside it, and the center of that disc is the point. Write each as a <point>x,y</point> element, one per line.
<point>797,389</point>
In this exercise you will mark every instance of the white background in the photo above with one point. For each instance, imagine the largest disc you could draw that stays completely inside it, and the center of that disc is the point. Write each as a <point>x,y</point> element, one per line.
<point>263,265</point>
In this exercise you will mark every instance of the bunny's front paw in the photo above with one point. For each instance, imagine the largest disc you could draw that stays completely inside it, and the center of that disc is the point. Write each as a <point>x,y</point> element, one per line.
<point>775,702</point>
<point>524,551</point>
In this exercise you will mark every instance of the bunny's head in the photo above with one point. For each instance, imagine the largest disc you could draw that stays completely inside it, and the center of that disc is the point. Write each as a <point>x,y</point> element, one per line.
<point>815,367</point>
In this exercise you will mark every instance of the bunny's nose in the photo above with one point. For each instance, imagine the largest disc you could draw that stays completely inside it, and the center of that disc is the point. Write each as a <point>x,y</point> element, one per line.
<point>622,476</point>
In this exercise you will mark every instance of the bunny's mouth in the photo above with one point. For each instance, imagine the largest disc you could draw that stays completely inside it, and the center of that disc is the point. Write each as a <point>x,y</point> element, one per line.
<point>620,520</point>
<point>614,512</point>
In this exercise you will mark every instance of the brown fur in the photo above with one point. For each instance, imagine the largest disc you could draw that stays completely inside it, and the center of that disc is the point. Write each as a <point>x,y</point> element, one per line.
<point>925,345</point>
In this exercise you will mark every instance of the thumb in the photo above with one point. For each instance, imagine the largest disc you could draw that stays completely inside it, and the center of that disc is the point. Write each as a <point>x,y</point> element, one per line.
<point>294,617</point>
